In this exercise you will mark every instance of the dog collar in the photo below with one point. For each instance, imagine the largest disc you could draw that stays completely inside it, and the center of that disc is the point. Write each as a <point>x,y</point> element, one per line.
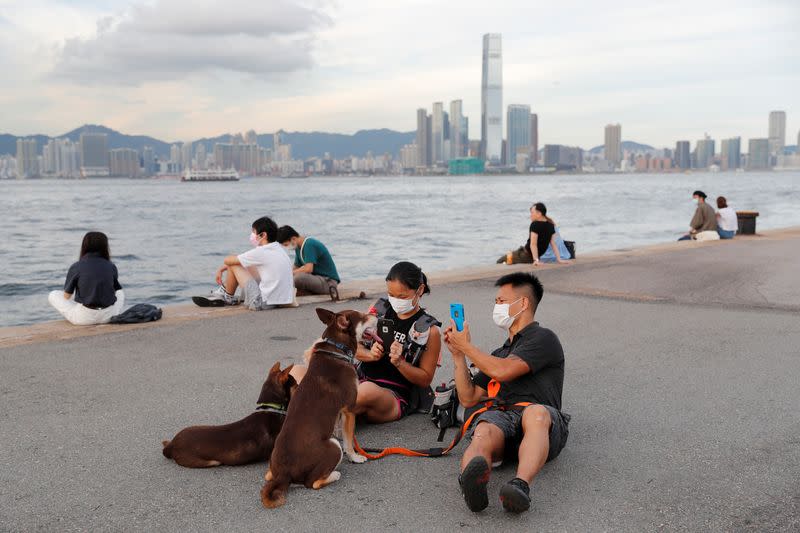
<point>269,407</point>
<point>346,356</point>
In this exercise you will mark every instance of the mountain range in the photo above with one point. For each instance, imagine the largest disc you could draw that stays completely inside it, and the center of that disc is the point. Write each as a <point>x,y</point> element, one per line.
<point>304,144</point>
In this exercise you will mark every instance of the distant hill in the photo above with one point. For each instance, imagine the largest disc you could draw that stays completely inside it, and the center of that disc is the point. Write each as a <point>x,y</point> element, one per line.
<point>631,146</point>
<point>304,144</point>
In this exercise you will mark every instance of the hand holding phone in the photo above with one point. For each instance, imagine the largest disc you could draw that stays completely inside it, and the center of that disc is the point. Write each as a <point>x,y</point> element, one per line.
<point>457,314</point>
<point>386,333</point>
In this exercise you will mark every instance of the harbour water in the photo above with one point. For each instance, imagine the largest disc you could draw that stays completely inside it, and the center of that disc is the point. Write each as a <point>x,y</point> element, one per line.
<point>167,237</point>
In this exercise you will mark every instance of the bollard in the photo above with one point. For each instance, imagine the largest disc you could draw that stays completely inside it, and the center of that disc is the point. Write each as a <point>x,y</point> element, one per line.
<point>747,222</point>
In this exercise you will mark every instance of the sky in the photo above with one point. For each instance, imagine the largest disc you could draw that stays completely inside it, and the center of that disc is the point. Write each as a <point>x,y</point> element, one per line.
<point>180,70</point>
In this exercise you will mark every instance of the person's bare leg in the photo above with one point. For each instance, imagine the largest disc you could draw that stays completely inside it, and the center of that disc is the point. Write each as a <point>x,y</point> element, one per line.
<point>533,450</point>
<point>238,276</point>
<point>487,442</point>
<point>535,442</point>
<point>476,464</point>
<point>378,404</point>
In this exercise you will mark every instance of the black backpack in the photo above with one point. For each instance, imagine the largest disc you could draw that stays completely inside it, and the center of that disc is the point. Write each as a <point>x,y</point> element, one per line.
<point>137,314</point>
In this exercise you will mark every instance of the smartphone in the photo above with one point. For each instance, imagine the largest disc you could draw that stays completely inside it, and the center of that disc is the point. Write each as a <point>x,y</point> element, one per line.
<point>457,314</point>
<point>386,332</point>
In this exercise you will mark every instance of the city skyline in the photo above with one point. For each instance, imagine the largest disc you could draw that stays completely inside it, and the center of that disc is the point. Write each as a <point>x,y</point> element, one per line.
<point>345,71</point>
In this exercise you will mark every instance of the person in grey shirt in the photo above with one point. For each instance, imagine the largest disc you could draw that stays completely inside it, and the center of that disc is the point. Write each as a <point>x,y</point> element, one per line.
<point>704,219</point>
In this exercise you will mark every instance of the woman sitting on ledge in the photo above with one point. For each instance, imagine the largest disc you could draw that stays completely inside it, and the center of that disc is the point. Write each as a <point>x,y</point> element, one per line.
<point>92,293</point>
<point>543,238</point>
<point>727,221</point>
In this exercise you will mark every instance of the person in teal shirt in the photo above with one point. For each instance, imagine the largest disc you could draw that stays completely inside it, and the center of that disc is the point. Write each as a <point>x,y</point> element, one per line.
<point>314,269</point>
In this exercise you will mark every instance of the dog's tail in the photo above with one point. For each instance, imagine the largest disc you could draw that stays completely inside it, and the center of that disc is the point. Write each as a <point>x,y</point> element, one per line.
<point>167,451</point>
<point>273,493</point>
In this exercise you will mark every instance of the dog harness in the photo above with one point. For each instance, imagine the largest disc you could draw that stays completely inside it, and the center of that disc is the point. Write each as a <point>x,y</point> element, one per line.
<point>270,407</point>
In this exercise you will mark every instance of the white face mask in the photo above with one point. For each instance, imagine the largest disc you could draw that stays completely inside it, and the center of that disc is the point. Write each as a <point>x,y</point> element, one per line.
<point>401,306</point>
<point>696,201</point>
<point>501,317</point>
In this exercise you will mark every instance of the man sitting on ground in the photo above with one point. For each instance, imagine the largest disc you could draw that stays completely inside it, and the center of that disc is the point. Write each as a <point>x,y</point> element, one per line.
<point>704,219</point>
<point>314,269</point>
<point>528,370</point>
<point>264,273</point>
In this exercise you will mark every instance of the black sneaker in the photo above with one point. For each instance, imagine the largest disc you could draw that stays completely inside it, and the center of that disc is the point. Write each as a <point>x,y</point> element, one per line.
<point>515,496</point>
<point>473,481</point>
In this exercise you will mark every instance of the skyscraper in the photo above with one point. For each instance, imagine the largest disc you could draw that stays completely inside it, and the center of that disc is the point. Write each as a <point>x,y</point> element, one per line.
<point>124,162</point>
<point>704,152</point>
<point>613,145</point>
<point>27,161</point>
<point>777,132</point>
<point>534,138</point>
<point>518,134</point>
<point>437,133</point>
<point>683,156</point>
<point>186,155</point>
<point>148,161</point>
<point>492,99</point>
<point>456,130</point>
<point>758,154</point>
<point>423,157</point>
<point>731,153</point>
<point>94,154</point>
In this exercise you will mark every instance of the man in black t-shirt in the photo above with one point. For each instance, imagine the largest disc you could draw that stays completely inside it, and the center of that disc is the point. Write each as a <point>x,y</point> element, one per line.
<point>527,369</point>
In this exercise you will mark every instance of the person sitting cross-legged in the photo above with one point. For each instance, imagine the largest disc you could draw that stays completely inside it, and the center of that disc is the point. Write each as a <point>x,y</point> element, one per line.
<point>314,270</point>
<point>524,377</point>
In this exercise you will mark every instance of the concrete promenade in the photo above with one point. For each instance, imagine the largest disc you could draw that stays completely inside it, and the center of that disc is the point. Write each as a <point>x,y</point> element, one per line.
<point>683,365</point>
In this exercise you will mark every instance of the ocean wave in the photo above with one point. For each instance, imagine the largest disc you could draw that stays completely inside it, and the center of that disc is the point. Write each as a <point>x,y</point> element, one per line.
<point>126,257</point>
<point>21,289</point>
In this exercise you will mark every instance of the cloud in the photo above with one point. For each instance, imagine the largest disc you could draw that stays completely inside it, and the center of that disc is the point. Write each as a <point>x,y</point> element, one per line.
<point>171,40</point>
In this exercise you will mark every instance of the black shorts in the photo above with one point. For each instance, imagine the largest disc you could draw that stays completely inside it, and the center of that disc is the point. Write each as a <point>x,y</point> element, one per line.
<point>510,423</point>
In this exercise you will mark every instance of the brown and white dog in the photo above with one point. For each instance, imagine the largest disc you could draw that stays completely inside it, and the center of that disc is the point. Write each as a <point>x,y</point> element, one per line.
<point>246,441</point>
<point>305,451</point>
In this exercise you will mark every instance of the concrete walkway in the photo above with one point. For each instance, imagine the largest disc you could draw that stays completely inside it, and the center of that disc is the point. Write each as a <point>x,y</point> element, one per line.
<point>682,373</point>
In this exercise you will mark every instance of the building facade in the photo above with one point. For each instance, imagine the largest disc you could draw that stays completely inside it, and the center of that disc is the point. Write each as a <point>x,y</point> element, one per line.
<point>423,155</point>
<point>94,154</point>
<point>123,162</point>
<point>613,145</point>
<point>704,152</point>
<point>492,99</point>
<point>758,154</point>
<point>458,139</point>
<point>27,158</point>
<point>731,153</point>
<point>777,132</point>
<point>518,132</point>
<point>563,157</point>
<point>534,157</point>
<point>683,155</point>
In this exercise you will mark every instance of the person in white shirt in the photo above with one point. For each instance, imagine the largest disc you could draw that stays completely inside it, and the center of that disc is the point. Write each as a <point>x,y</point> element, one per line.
<point>727,221</point>
<point>264,273</point>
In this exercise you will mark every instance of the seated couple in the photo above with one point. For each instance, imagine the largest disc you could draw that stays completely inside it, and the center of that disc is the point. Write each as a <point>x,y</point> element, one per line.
<point>265,275</point>
<point>528,369</point>
<point>707,225</point>
<point>544,244</point>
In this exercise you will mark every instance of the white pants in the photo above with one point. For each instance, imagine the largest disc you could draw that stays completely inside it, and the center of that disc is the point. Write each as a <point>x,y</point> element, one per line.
<point>81,315</point>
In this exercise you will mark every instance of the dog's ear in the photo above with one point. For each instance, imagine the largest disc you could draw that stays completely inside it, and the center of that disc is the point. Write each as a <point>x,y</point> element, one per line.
<point>284,375</point>
<point>325,316</point>
<point>342,322</point>
<point>275,368</point>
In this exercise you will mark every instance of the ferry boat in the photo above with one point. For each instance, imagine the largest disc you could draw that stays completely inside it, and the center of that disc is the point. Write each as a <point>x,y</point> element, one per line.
<point>210,175</point>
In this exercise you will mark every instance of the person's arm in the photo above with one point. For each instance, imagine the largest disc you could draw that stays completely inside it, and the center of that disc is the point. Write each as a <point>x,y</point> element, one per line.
<point>697,219</point>
<point>498,368</point>
<point>71,283</point>
<point>535,247</point>
<point>308,268</point>
<point>469,394</point>
<point>423,374</point>
<point>117,286</point>
<point>369,356</point>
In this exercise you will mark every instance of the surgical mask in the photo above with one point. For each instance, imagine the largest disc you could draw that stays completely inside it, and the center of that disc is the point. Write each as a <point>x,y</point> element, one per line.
<point>290,249</point>
<point>400,305</point>
<point>254,239</point>
<point>501,317</point>
<point>696,201</point>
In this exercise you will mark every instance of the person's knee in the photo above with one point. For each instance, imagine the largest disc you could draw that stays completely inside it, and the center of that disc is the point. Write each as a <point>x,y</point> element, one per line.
<point>488,434</point>
<point>52,297</point>
<point>536,417</point>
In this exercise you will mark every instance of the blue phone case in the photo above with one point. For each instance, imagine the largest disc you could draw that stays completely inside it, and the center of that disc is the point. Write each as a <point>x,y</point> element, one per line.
<point>457,314</point>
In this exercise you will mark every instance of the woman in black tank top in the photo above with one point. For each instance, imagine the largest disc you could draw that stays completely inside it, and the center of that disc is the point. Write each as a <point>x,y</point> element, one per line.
<point>387,377</point>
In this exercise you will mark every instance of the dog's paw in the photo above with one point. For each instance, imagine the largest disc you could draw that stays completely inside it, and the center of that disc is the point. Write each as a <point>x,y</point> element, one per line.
<point>356,458</point>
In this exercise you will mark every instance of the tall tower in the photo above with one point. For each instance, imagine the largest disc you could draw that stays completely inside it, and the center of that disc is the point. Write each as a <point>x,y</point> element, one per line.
<point>613,144</point>
<point>456,130</point>
<point>492,99</point>
<point>534,138</point>
<point>437,133</point>
<point>777,132</point>
<point>423,157</point>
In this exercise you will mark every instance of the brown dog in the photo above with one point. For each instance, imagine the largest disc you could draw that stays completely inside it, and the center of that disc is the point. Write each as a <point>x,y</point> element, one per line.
<point>246,441</point>
<point>305,451</point>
